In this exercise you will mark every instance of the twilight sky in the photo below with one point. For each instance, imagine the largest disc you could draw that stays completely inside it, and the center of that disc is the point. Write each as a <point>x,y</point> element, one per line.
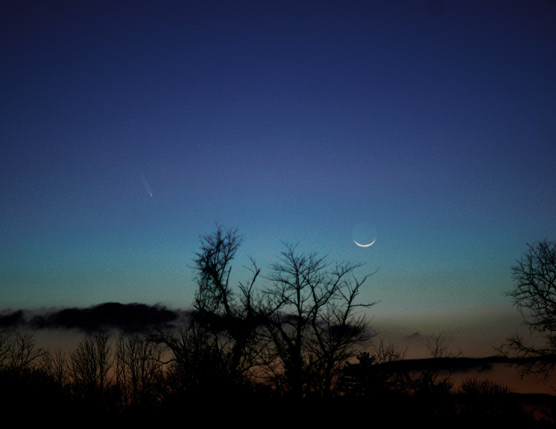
<point>129,128</point>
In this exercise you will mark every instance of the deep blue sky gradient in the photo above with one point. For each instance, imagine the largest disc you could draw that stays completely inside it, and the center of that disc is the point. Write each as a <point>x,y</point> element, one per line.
<point>434,121</point>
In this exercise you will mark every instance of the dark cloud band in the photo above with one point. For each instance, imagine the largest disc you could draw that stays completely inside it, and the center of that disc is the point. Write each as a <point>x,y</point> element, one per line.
<point>126,317</point>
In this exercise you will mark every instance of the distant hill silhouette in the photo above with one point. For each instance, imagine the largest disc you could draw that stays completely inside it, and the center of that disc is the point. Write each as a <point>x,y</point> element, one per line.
<point>456,364</point>
<point>444,363</point>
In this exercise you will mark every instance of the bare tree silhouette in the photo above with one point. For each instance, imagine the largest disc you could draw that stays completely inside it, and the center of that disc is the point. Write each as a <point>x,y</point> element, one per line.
<point>26,389</point>
<point>535,297</point>
<point>312,321</point>
<point>139,377</point>
<point>196,366</point>
<point>230,314</point>
<point>88,367</point>
<point>435,380</point>
<point>54,364</point>
<point>4,349</point>
<point>18,352</point>
<point>374,372</point>
<point>298,332</point>
<point>218,346</point>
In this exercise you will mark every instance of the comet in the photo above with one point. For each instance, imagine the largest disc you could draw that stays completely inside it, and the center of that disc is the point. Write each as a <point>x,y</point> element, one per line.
<point>147,186</point>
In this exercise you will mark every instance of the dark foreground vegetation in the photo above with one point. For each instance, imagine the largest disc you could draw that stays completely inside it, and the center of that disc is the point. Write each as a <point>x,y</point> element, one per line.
<point>138,379</point>
<point>296,351</point>
<point>141,378</point>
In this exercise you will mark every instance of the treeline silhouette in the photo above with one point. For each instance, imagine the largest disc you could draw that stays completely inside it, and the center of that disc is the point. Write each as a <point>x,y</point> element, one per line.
<point>139,377</point>
<point>298,350</point>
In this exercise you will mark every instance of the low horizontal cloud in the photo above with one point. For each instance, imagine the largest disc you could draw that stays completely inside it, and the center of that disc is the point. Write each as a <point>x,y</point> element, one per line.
<point>12,319</point>
<point>125,317</point>
<point>455,364</point>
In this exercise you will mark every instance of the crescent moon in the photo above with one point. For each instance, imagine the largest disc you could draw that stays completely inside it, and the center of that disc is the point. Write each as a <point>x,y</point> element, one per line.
<point>365,245</point>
